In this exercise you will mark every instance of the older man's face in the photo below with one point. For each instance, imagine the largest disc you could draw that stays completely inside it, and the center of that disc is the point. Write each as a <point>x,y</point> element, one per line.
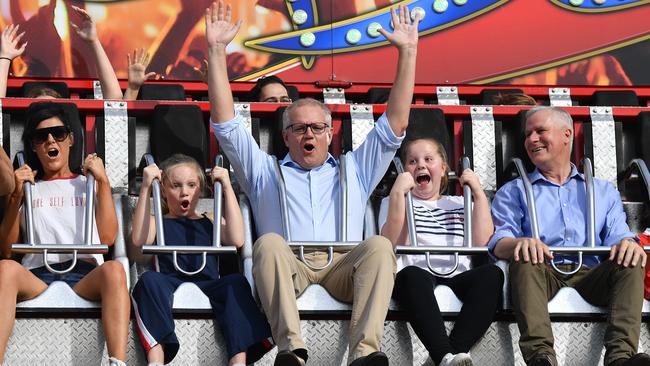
<point>308,149</point>
<point>548,142</point>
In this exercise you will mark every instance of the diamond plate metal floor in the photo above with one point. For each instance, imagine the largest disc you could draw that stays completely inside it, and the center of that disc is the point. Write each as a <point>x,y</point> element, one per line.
<point>80,342</point>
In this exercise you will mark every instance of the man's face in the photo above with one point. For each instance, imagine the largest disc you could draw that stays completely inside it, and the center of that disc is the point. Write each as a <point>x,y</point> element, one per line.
<point>548,142</point>
<point>274,93</point>
<point>309,150</point>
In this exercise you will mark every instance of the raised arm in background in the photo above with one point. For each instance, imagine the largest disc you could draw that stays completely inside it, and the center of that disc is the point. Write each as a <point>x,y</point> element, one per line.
<point>137,73</point>
<point>9,50</point>
<point>88,32</point>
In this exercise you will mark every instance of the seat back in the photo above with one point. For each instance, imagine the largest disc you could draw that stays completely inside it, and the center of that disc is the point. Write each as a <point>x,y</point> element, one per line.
<point>626,98</point>
<point>161,92</point>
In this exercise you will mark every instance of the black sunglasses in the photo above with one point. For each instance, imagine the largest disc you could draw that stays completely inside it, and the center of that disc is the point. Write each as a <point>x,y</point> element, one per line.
<point>40,135</point>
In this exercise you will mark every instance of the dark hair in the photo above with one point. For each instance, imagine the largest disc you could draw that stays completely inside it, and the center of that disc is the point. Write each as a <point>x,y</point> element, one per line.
<point>254,94</point>
<point>36,113</point>
<point>43,91</point>
<point>444,179</point>
<point>513,99</point>
<point>180,159</point>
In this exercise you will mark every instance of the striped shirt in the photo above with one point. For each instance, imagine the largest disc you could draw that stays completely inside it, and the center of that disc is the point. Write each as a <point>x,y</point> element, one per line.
<point>438,223</point>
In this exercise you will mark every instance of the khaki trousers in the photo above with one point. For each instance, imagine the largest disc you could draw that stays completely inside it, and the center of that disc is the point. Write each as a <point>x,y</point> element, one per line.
<point>609,285</point>
<point>363,277</point>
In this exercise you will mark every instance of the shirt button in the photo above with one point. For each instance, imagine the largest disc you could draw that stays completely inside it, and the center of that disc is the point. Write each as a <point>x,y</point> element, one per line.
<point>564,204</point>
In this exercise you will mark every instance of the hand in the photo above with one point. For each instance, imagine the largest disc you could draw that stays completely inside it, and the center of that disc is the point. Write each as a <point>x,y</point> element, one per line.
<point>531,250</point>
<point>405,34</point>
<point>150,173</point>
<point>95,165</point>
<point>220,174</point>
<point>87,31</point>
<point>22,175</point>
<point>9,42</point>
<point>404,183</point>
<point>471,179</point>
<point>203,71</point>
<point>219,30</point>
<point>628,252</point>
<point>137,68</point>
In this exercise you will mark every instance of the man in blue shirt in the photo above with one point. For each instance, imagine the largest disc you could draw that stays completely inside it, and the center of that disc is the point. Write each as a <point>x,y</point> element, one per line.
<point>560,197</point>
<point>363,276</point>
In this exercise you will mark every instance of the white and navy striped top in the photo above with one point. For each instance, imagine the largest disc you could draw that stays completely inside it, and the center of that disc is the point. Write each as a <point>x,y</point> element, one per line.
<point>438,223</point>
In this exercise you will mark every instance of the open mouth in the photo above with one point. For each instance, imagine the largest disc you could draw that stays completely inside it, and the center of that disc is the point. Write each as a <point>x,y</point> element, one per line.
<point>53,153</point>
<point>537,149</point>
<point>423,178</point>
<point>309,147</point>
<point>185,204</point>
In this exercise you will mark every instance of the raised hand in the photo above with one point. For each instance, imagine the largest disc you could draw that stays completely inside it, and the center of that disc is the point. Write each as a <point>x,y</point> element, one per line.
<point>404,183</point>
<point>138,67</point>
<point>220,174</point>
<point>87,31</point>
<point>150,173</point>
<point>471,179</point>
<point>219,29</point>
<point>405,33</point>
<point>9,42</point>
<point>95,165</point>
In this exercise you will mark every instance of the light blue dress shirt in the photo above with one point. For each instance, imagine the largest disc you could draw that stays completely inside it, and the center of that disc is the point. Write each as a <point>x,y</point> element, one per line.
<point>561,214</point>
<point>313,195</point>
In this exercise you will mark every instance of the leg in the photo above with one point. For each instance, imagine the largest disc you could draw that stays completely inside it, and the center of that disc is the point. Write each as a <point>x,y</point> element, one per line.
<point>108,284</point>
<point>533,285</point>
<point>237,314</point>
<point>366,274</point>
<point>279,277</point>
<point>480,291</point>
<point>414,293</point>
<point>621,289</point>
<point>152,299</point>
<point>16,284</point>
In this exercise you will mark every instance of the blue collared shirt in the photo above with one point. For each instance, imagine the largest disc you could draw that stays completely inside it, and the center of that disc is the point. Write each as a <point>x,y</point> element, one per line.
<point>313,195</point>
<point>561,213</point>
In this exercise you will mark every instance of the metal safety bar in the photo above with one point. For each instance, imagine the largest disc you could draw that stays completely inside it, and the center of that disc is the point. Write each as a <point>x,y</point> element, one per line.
<point>89,215</point>
<point>342,245</point>
<point>467,248</point>
<point>162,248</point>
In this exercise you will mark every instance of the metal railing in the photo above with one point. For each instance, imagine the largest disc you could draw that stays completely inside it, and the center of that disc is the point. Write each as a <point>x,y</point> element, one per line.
<point>161,246</point>
<point>342,245</point>
<point>466,249</point>
<point>89,216</point>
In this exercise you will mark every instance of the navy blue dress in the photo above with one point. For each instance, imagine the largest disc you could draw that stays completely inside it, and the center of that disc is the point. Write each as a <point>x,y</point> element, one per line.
<point>244,327</point>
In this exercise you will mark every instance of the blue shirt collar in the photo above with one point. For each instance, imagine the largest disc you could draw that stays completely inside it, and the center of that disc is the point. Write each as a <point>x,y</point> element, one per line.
<point>536,175</point>
<point>288,161</point>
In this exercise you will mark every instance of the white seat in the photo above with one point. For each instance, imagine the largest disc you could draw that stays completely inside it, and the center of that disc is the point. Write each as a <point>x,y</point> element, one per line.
<point>189,296</point>
<point>58,295</point>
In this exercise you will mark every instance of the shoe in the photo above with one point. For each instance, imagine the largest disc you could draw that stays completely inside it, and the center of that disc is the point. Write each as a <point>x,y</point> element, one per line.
<point>374,359</point>
<point>541,359</point>
<point>458,359</point>
<point>640,359</point>
<point>288,358</point>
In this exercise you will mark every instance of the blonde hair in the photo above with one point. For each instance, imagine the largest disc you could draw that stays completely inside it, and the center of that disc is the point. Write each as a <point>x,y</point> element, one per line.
<point>174,161</point>
<point>444,179</point>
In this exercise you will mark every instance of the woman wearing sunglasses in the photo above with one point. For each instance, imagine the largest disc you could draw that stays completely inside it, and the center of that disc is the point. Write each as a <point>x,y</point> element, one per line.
<point>58,200</point>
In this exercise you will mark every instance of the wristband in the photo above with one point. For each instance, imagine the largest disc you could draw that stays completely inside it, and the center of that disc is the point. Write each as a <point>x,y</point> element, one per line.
<point>6,58</point>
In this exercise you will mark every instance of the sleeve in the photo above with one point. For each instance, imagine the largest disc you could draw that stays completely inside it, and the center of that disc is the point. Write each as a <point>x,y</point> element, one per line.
<point>376,153</point>
<point>243,153</point>
<point>383,213</point>
<point>508,215</point>
<point>615,228</point>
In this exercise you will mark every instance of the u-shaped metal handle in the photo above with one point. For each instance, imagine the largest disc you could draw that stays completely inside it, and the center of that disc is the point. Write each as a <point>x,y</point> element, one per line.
<point>63,271</point>
<point>572,272</point>
<point>442,274</point>
<point>187,273</point>
<point>330,258</point>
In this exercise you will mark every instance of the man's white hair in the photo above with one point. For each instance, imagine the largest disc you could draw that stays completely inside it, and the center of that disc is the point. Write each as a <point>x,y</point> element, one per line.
<point>561,117</point>
<point>305,102</point>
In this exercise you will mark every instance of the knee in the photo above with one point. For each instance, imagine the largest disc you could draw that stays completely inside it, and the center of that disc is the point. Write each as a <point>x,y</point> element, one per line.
<point>636,273</point>
<point>378,253</point>
<point>237,283</point>
<point>113,274</point>
<point>411,275</point>
<point>492,275</point>
<point>268,245</point>
<point>9,271</point>
<point>521,269</point>
<point>146,281</point>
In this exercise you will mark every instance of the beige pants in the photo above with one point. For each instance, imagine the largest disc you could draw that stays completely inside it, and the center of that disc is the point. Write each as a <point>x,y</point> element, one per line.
<point>365,274</point>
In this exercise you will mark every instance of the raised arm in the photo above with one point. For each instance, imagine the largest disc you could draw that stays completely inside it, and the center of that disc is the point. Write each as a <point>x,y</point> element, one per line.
<point>219,31</point>
<point>88,32</point>
<point>482,226</point>
<point>405,38</point>
<point>232,223</point>
<point>143,230</point>
<point>137,73</point>
<point>105,208</point>
<point>395,227</point>
<point>9,50</point>
<point>10,227</point>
